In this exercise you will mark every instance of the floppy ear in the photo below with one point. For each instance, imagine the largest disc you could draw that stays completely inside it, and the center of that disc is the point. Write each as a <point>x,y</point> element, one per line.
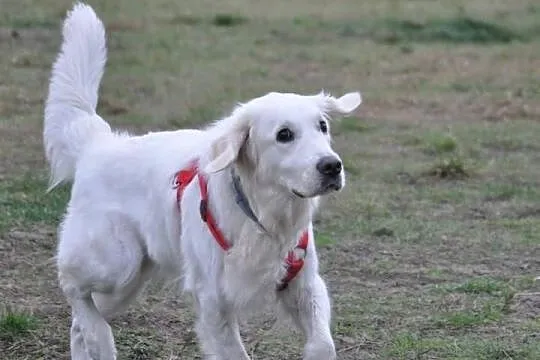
<point>224,151</point>
<point>345,104</point>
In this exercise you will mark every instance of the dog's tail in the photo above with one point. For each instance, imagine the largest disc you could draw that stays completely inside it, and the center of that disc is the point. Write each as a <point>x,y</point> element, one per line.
<point>71,122</point>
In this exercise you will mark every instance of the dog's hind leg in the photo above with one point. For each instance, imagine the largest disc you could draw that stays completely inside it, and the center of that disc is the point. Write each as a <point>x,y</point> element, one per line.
<point>106,259</point>
<point>78,349</point>
<point>108,305</point>
<point>112,304</point>
<point>94,330</point>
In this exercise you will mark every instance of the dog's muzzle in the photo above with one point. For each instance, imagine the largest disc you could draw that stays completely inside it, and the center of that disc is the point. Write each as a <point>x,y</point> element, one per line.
<point>329,185</point>
<point>330,168</point>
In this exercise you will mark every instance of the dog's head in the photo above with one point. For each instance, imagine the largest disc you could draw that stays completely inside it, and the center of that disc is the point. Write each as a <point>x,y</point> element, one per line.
<point>283,140</point>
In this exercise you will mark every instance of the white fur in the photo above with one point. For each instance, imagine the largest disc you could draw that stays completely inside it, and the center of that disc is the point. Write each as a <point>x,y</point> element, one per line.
<point>123,227</point>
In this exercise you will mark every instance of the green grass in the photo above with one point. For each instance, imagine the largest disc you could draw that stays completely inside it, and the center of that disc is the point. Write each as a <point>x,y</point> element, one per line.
<point>352,124</point>
<point>219,20</point>
<point>450,167</point>
<point>323,240</point>
<point>527,229</point>
<point>456,28</point>
<point>228,20</point>
<point>24,201</point>
<point>505,192</point>
<point>460,29</point>
<point>21,22</point>
<point>438,143</point>
<point>481,285</point>
<point>16,324</point>
<point>410,345</point>
<point>461,319</point>
<point>413,346</point>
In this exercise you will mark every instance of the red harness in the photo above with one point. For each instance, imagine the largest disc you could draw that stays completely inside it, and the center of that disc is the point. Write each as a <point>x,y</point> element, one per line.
<point>183,179</point>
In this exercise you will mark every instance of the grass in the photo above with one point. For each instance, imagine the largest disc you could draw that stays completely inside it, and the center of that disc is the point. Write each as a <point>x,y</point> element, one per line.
<point>469,318</point>
<point>220,20</point>
<point>452,167</point>
<point>228,20</point>
<point>462,29</point>
<point>353,124</point>
<point>15,324</point>
<point>323,240</point>
<point>438,144</point>
<point>24,201</point>
<point>413,346</point>
<point>410,345</point>
<point>438,227</point>
<point>482,285</point>
<point>456,28</point>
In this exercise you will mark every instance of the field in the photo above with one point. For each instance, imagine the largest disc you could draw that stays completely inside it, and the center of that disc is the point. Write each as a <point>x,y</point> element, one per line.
<point>432,249</point>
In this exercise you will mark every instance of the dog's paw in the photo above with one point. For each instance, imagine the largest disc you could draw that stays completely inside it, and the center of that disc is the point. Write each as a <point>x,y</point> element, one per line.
<point>320,350</point>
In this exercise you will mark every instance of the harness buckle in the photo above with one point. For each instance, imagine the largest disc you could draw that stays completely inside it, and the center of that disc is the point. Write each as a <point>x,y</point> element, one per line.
<point>176,181</point>
<point>282,286</point>
<point>203,209</point>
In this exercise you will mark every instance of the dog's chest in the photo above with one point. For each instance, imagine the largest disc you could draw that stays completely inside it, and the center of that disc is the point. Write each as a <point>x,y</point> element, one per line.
<point>251,277</point>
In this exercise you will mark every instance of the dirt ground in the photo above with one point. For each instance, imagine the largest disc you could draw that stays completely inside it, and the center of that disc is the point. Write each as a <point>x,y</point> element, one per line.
<point>432,249</point>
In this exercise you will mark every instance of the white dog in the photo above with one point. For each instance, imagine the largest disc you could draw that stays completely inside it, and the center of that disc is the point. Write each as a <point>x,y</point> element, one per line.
<point>229,207</point>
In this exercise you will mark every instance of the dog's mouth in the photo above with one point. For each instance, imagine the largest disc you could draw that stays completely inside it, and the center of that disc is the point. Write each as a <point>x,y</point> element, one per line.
<point>323,190</point>
<point>328,188</point>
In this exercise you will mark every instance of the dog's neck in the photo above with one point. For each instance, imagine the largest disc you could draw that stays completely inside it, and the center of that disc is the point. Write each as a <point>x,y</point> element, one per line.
<point>276,208</point>
<point>242,201</point>
<point>279,214</point>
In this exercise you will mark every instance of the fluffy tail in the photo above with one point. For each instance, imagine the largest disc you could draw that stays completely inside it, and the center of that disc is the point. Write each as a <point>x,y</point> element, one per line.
<point>71,122</point>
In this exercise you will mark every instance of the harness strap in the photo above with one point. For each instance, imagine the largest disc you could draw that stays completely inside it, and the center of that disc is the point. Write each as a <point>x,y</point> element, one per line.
<point>184,177</point>
<point>293,264</point>
<point>182,180</point>
<point>207,217</point>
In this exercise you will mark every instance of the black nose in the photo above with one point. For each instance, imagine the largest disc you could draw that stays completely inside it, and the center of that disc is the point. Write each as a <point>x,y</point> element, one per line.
<point>329,165</point>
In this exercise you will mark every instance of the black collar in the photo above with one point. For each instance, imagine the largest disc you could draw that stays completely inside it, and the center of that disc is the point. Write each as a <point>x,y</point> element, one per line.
<point>242,201</point>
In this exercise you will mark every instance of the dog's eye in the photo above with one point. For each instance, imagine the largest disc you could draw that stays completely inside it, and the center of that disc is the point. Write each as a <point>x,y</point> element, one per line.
<point>285,135</point>
<point>323,126</point>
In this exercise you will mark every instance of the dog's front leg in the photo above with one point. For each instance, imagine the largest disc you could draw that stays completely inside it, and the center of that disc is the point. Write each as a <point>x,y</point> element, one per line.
<point>218,330</point>
<point>308,303</point>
